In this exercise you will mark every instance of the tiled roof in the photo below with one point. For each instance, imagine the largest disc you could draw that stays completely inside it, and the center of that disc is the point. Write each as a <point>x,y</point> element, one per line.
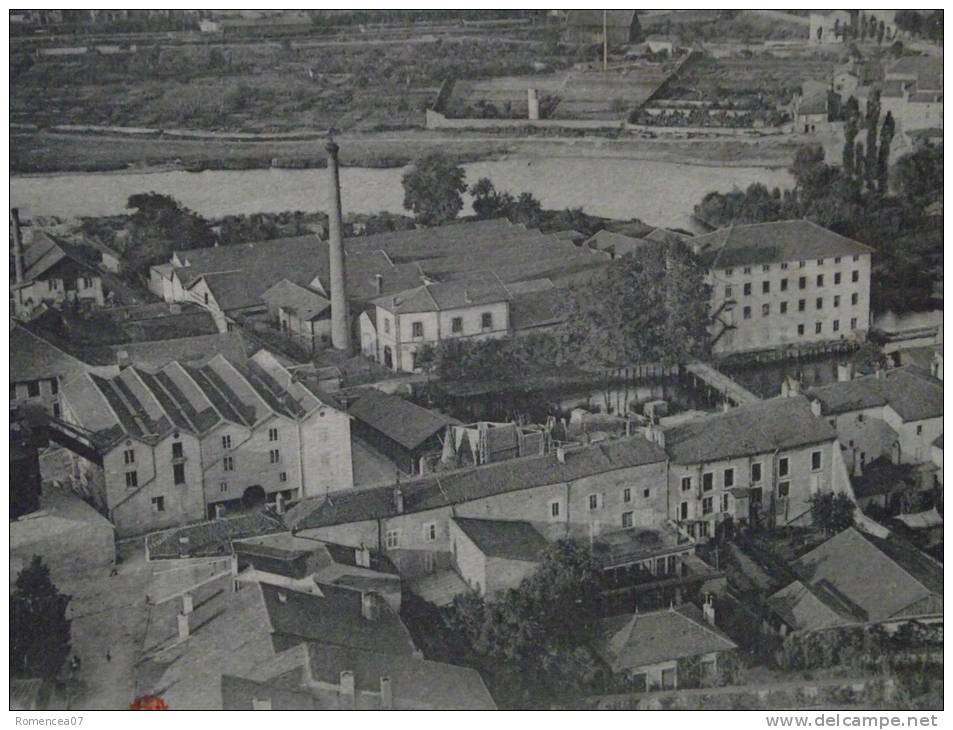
<point>882,577</point>
<point>469,292</point>
<point>778,423</point>
<point>415,682</point>
<point>803,608</point>
<point>470,484</point>
<point>617,243</point>
<point>928,70</point>
<point>758,243</point>
<point>637,640</point>
<point>285,546</point>
<point>297,300</point>
<point>334,617</point>
<point>44,252</point>
<point>33,357</point>
<point>397,418</point>
<point>213,538</point>
<point>239,693</point>
<point>911,392</point>
<point>813,104</point>
<point>507,539</point>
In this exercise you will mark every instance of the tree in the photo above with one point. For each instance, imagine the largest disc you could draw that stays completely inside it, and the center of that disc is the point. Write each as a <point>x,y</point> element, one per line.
<point>39,629</point>
<point>873,118</point>
<point>160,225</point>
<point>432,189</point>
<point>883,158</point>
<point>851,128</point>
<point>832,512</point>
<point>919,175</point>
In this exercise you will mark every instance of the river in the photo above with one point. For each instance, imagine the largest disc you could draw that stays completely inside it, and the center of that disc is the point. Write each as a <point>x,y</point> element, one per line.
<point>660,193</point>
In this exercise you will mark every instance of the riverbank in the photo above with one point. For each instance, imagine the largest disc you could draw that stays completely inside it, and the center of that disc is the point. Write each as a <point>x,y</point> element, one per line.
<point>44,152</point>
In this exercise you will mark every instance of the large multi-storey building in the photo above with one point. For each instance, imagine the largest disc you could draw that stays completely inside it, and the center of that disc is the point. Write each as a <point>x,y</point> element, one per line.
<point>787,283</point>
<point>187,442</point>
<point>760,462</point>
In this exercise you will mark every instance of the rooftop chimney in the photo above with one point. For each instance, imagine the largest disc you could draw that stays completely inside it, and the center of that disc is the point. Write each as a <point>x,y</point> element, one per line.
<point>708,610</point>
<point>398,499</point>
<point>362,556</point>
<point>340,332</point>
<point>17,244</point>
<point>387,694</point>
<point>370,610</point>
<point>183,626</point>
<point>346,691</point>
<point>844,372</point>
<point>379,283</point>
<point>187,603</point>
<point>561,454</point>
<point>816,407</point>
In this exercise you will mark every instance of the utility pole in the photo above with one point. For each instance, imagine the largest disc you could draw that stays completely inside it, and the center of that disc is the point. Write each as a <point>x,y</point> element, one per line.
<point>605,41</point>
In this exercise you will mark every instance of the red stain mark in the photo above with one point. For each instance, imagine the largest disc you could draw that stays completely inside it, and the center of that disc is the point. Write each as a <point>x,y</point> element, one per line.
<point>149,702</point>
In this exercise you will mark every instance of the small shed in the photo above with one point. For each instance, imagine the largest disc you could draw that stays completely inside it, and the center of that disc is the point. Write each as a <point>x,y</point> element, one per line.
<point>494,555</point>
<point>400,430</point>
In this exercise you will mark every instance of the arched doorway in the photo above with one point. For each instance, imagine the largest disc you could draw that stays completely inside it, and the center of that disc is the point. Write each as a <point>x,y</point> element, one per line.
<point>252,497</point>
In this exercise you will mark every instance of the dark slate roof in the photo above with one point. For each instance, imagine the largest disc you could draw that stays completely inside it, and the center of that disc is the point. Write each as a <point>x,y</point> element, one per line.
<point>507,539</point>
<point>44,252</point>
<point>912,393</point>
<point>813,104</point>
<point>778,423</point>
<point>285,546</point>
<point>636,640</point>
<point>397,418</point>
<point>297,300</point>
<point>805,608</point>
<point>928,70</point>
<point>611,18</point>
<point>882,577</point>
<point>441,490</point>
<point>335,617</point>
<point>213,538</point>
<point>474,290</point>
<point>417,682</point>
<point>33,357</point>
<point>762,243</point>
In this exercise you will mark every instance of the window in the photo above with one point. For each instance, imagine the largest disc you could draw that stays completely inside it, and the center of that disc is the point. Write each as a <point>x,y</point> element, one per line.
<point>854,298</point>
<point>205,298</point>
<point>729,478</point>
<point>747,269</point>
<point>707,505</point>
<point>765,287</point>
<point>919,430</point>
<point>765,310</point>
<point>54,386</point>
<point>837,278</point>
<point>627,519</point>
<point>853,323</point>
<point>223,487</point>
<point>855,276</point>
<point>56,409</point>
<point>486,320</point>
<point>802,282</point>
<point>129,456</point>
<point>747,289</point>
<point>593,502</point>
<point>837,300</point>
<point>272,434</point>
<point>729,272</point>
<point>835,325</point>
<point>784,284</point>
<point>226,441</point>
<point>158,504</point>
<point>783,466</point>
<point>766,267</point>
<point>178,473</point>
<point>820,262</point>
<point>228,464</point>
<point>817,328</point>
<point>708,481</point>
<point>392,539</point>
<point>387,326</point>
<point>727,292</point>
<point>132,479</point>
<point>820,279</point>
<point>430,532</point>
<point>417,329</point>
<point>784,489</point>
<point>819,303</point>
<point>274,456</point>
<point>554,509</point>
<point>54,284</point>
<point>784,265</point>
<point>283,476</point>
<point>815,460</point>
<point>800,329</point>
<point>724,502</point>
<point>784,307</point>
<point>686,483</point>
<point>683,511</point>
<point>87,283</point>
<point>456,325</point>
<point>801,304</point>
<point>627,495</point>
<point>177,450</point>
<point>756,473</point>
<point>747,312</point>
<point>33,388</point>
<point>646,493</point>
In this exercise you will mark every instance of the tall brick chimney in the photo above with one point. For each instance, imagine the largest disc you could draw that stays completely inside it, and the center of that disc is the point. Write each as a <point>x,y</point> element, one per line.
<point>340,331</point>
<point>17,245</point>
